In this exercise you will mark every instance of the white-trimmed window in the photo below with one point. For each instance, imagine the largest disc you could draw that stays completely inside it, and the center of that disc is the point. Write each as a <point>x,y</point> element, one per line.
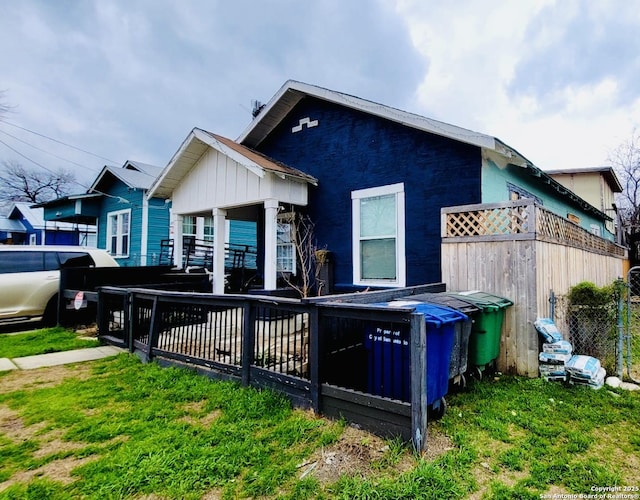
<point>285,247</point>
<point>118,232</point>
<point>207,228</point>
<point>189,226</point>
<point>379,236</point>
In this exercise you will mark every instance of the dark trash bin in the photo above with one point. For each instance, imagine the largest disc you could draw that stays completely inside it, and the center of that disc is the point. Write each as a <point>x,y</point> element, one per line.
<point>389,354</point>
<point>484,342</point>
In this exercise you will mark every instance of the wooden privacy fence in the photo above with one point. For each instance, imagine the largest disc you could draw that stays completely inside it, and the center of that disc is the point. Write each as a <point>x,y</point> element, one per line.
<point>316,352</point>
<point>522,251</point>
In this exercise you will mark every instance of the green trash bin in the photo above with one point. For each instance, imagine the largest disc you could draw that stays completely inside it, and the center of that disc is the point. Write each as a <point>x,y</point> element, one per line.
<point>484,342</point>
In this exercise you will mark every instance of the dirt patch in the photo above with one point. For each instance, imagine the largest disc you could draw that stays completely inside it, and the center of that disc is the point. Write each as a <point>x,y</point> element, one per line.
<point>42,377</point>
<point>360,454</point>
<point>195,414</point>
<point>12,427</point>
<point>58,470</point>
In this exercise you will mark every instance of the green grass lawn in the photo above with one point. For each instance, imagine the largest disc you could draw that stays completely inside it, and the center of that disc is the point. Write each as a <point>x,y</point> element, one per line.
<point>41,342</point>
<point>117,428</point>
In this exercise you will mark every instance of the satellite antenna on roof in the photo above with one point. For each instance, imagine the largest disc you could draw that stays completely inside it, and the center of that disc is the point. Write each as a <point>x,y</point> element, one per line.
<point>256,107</point>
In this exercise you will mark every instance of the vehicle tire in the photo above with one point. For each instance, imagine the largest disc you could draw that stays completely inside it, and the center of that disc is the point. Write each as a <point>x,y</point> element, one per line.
<point>50,316</point>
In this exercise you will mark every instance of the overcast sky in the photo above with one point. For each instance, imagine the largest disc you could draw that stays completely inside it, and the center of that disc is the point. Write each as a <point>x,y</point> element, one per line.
<point>128,80</point>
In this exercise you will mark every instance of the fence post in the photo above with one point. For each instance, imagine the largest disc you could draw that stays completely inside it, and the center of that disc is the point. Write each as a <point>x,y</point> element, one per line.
<point>61,319</point>
<point>620,348</point>
<point>314,357</point>
<point>101,316</point>
<point>128,320</point>
<point>418,382</point>
<point>552,305</point>
<point>248,340</point>
<point>154,329</point>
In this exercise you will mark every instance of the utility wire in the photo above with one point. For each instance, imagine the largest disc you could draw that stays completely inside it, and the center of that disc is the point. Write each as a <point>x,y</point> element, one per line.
<point>59,142</point>
<point>49,153</point>
<point>119,198</point>
<point>38,164</point>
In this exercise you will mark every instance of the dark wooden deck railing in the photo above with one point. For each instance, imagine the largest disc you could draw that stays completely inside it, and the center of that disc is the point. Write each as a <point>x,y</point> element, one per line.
<point>317,352</point>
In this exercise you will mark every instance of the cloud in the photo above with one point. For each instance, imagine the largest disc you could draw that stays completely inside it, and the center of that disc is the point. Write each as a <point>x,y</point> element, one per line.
<point>554,79</point>
<point>575,46</point>
<point>130,79</point>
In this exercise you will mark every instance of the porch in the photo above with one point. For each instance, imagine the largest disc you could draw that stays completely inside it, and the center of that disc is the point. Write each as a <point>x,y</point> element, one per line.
<point>214,177</point>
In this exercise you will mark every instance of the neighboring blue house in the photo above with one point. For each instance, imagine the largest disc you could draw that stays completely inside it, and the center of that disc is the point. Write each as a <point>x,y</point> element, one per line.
<point>24,224</point>
<point>373,180</point>
<point>130,225</point>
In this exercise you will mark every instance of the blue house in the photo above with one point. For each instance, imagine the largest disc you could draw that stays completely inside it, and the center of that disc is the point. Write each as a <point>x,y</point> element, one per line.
<point>131,226</point>
<point>373,180</point>
<point>24,224</point>
<point>384,174</point>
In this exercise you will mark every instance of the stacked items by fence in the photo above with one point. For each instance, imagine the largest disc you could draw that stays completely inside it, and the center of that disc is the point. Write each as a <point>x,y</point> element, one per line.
<point>558,363</point>
<point>588,315</point>
<point>586,370</point>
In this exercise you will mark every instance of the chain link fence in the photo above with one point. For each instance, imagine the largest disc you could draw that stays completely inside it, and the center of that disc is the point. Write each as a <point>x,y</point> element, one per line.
<point>592,330</point>
<point>630,344</point>
<point>609,332</point>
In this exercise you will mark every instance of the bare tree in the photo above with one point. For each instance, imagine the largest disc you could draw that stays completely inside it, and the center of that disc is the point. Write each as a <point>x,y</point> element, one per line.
<point>625,159</point>
<point>307,255</point>
<point>20,184</point>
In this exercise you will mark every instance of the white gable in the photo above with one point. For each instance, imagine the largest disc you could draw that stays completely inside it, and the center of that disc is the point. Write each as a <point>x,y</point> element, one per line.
<point>219,181</point>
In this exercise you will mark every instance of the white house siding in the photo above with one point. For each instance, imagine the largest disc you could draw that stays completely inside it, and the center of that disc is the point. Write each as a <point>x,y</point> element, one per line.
<point>217,181</point>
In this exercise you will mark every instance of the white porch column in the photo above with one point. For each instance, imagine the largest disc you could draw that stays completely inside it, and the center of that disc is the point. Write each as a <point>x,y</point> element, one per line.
<point>176,226</point>
<point>270,243</point>
<point>219,237</point>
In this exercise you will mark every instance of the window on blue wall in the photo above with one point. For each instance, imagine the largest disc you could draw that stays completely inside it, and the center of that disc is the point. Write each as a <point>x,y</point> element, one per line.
<point>118,231</point>
<point>378,236</point>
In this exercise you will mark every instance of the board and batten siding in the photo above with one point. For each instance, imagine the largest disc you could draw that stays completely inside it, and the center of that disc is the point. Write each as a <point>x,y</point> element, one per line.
<point>523,268</point>
<point>217,181</point>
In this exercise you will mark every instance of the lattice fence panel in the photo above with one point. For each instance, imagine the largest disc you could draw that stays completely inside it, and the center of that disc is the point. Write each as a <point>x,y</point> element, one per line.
<point>562,230</point>
<point>488,222</point>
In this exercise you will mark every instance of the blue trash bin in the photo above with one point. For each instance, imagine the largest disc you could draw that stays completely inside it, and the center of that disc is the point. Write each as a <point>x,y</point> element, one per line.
<point>389,353</point>
<point>460,353</point>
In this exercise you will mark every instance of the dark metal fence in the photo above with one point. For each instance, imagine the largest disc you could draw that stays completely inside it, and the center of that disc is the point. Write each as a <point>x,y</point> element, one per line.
<point>335,358</point>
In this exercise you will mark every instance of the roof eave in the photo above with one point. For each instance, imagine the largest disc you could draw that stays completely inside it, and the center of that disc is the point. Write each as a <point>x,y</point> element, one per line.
<point>293,91</point>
